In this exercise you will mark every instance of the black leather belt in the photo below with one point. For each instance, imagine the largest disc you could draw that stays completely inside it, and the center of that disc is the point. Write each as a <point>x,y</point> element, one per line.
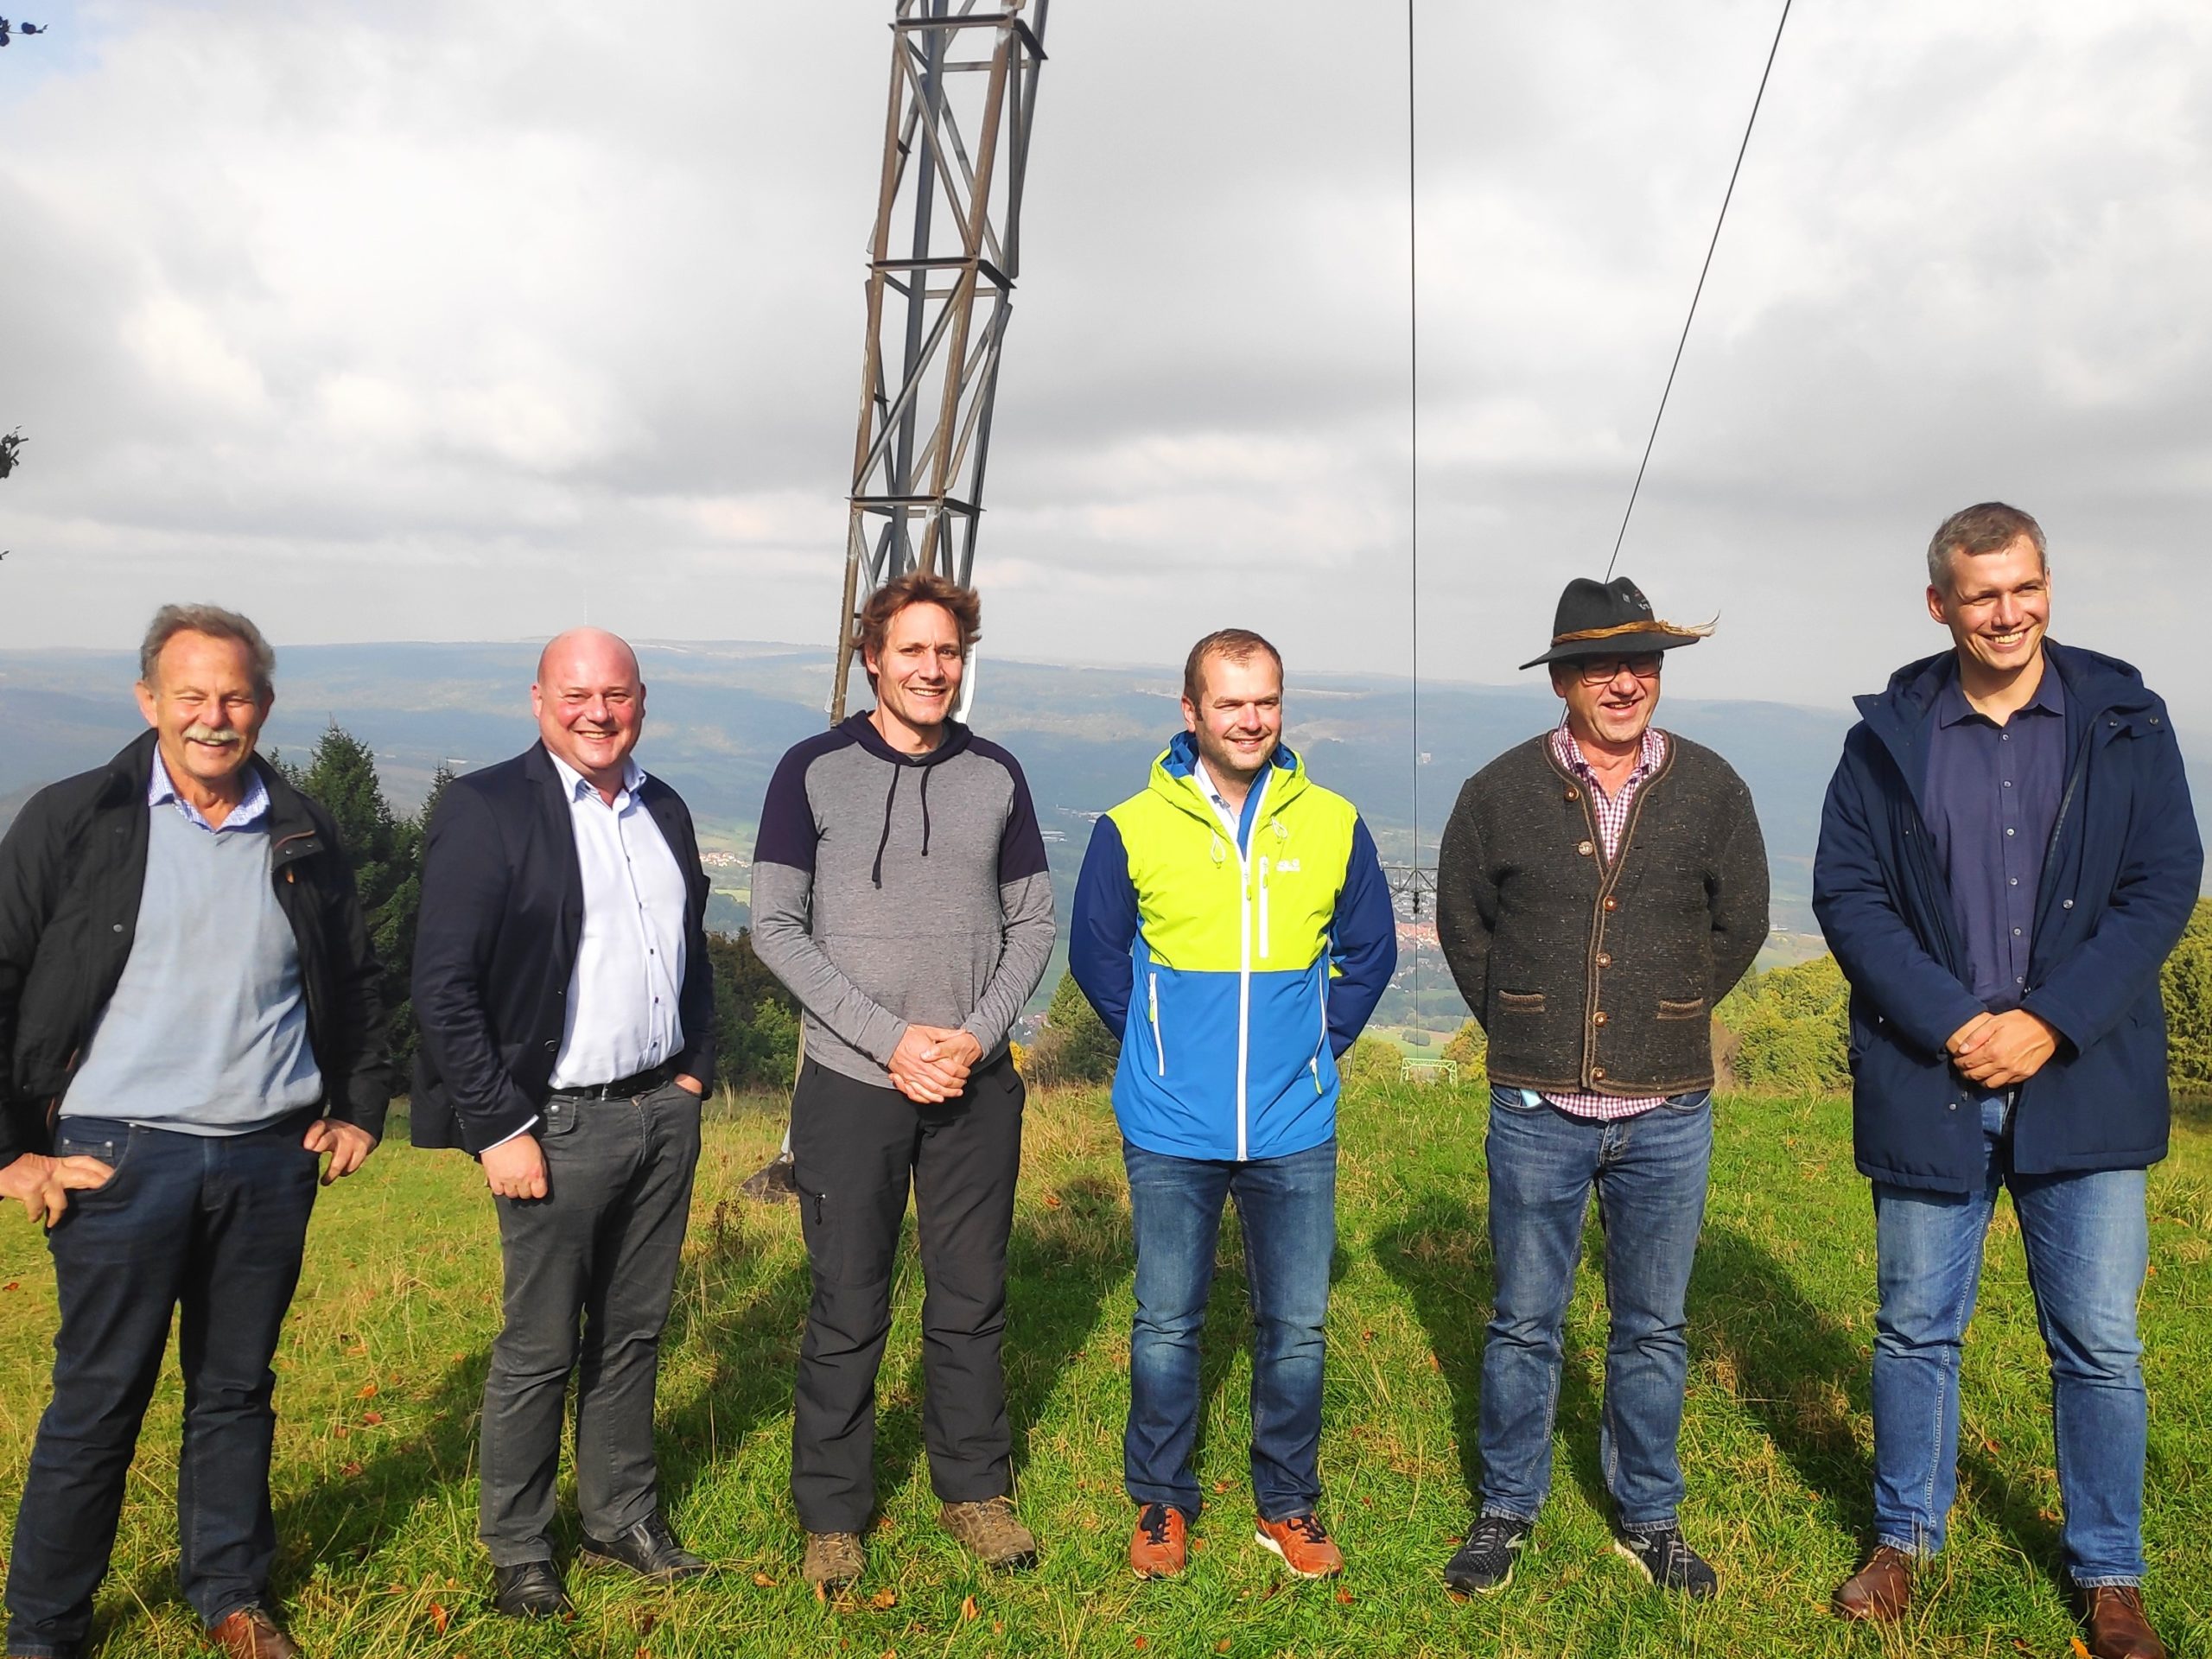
<point>640,1083</point>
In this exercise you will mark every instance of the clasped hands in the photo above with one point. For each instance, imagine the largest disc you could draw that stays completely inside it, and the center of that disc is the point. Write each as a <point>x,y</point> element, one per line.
<point>1999,1051</point>
<point>931,1062</point>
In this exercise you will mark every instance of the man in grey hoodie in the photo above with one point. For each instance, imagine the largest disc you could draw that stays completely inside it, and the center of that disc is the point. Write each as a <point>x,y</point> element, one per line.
<point>899,889</point>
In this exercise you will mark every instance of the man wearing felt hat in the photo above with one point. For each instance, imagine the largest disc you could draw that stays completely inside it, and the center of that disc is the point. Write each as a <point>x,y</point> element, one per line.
<point>1599,888</point>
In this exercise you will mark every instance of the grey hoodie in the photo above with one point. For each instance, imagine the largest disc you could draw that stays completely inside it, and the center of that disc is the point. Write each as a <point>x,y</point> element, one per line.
<point>891,890</point>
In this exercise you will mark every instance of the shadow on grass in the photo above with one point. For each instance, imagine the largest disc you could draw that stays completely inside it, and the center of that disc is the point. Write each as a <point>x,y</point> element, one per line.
<point>752,1328</point>
<point>1798,1371</point>
<point>1438,1253</point>
<point>1804,1376</point>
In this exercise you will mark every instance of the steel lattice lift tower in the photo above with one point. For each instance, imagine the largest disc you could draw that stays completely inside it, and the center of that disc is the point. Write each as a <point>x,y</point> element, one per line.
<point>942,261</point>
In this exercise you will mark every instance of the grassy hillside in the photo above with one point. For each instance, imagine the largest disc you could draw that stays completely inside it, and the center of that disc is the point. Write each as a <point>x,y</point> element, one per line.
<point>384,1363</point>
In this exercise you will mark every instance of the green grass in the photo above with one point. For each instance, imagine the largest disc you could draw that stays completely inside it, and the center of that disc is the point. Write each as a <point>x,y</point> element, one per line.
<point>384,1362</point>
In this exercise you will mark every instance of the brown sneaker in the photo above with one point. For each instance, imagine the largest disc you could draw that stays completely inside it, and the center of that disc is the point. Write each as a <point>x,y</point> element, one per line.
<point>1878,1592</point>
<point>833,1560</point>
<point>1304,1544</point>
<point>2117,1625</point>
<point>1159,1547</point>
<point>251,1633</point>
<point>991,1532</point>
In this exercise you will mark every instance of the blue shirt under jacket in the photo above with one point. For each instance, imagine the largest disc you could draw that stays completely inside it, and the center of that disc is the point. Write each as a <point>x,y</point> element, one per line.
<point>2117,882</point>
<point>1993,799</point>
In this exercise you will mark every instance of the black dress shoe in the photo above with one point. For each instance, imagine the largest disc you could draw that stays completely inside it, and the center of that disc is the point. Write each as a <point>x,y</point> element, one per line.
<point>648,1549</point>
<point>530,1590</point>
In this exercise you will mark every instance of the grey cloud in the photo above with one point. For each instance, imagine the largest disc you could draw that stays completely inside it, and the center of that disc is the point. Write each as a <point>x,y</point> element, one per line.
<point>457,324</point>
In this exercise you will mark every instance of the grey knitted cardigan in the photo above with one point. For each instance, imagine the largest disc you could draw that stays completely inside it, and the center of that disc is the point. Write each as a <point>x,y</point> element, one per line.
<point>1591,978</point>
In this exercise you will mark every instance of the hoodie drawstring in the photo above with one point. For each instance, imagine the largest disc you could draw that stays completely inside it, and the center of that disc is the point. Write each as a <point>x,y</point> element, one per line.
<point>926,811</point>
<point>876,874</point>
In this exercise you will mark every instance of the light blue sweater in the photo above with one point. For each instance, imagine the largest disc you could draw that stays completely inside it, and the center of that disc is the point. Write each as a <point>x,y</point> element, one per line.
<point>207,1030</point>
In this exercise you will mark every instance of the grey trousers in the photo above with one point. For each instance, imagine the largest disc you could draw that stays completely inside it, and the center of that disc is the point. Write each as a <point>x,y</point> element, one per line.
<point>590,1274</point>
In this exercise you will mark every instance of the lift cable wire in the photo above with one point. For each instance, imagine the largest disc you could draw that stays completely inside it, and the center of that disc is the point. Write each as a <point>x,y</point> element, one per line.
<point>1724,200</point>
<point>1413,379</point>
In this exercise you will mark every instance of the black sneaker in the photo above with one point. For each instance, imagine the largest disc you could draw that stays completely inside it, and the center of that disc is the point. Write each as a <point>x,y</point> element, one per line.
<point>1484,1560</point>
<point>1668,1562</point>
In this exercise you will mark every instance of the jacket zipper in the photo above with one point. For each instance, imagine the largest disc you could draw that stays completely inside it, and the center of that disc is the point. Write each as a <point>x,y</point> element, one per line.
<point>1157,1047</point>
<point>1243,998</point>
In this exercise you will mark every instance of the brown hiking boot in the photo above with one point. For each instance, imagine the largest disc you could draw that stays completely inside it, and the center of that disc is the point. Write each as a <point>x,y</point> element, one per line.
<point>251,1633</point>
<point>833,1560</point>
<point>2117,1625</point>
<point>1304,1544</point>
<point>1878,1592</point>
<point>1159,1547</point>
<point>991,1532</point>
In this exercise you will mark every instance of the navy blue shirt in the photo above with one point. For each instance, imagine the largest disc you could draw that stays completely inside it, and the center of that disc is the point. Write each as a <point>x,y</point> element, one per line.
<point>1993,797</point>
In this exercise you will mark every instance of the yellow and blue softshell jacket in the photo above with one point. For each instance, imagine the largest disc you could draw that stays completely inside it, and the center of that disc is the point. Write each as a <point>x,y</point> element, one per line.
<point>1235,973</point>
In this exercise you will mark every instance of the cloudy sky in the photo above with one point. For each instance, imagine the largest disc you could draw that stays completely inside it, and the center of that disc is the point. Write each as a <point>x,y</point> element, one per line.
<point>477,319</point>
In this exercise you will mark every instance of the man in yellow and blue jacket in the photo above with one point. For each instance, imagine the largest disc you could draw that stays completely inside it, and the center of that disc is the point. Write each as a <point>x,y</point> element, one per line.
<point>1233,927</point>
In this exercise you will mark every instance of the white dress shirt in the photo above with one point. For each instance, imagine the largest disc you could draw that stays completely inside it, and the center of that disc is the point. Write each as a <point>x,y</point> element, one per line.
<point>623,1013</point>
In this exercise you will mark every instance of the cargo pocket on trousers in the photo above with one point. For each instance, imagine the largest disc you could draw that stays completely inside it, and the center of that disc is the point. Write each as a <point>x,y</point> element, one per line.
<point>829,1245</point>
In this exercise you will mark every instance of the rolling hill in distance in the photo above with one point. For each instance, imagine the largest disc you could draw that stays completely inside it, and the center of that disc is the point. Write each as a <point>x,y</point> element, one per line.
<point>720,714</point>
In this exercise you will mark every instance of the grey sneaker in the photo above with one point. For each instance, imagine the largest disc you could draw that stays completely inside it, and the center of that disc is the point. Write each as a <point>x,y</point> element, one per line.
<point>1668,1562</point>
<point>833,1560</point>
<point>1484,1560</point>
<point>991,1532</point>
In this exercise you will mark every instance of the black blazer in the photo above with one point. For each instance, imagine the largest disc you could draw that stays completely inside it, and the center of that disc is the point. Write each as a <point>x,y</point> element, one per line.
<point>503,909</point>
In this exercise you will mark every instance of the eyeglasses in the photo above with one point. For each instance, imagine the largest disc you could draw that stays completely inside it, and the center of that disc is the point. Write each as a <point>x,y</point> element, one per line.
<point>1602,669</point>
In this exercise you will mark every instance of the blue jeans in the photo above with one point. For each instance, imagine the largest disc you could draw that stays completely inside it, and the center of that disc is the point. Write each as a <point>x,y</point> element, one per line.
<point>1288,1208</point>
<point>215,1225</point>
<point>2087,1242</point>
<point>1649,1173</point>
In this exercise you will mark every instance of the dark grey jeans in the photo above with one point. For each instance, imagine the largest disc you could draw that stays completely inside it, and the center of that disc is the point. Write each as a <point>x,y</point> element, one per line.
<point>590,1273</point>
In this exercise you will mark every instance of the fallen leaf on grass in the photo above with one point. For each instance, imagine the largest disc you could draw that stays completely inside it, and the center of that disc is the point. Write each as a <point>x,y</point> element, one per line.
<point>438,1616</point>
<point>1221,1646</point>
<point>761,1580</point>
<point>352,1472</point>
<point>1140,1643</point>
<point>368,1391</point>
<point>821,1595</point>
<point>373,1419</point>
<point>1343,1598</point>
<point>1435,1363</point>
<point>967,1607</point>
<point>2075,1642</point>
<point>1221,1485</point>
<point>884,1599</point>
<point>13,1284</point>
<point>998,1627</point>
<point>1051,1200</point>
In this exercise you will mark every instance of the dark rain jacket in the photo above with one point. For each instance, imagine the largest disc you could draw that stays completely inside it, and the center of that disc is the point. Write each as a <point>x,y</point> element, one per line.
<point>71,871</point>
<point>2119,880</point>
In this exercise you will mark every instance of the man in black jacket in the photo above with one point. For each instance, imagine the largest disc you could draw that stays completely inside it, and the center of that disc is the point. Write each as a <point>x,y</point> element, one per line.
<point>1599,889</point>
<point>566,1010</point>
<point>188,998</point>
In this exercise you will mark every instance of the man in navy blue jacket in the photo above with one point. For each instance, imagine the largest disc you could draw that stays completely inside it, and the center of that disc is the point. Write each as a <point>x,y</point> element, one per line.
<point>2007,854</point>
